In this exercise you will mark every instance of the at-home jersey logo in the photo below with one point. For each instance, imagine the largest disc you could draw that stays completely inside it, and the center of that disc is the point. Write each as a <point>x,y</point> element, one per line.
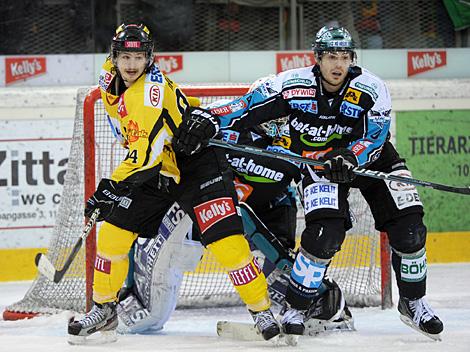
<point>213,211</point>
<point>169,63</point>
<point>422,61</point>
<point>22,68</point>
<point>288,61</point>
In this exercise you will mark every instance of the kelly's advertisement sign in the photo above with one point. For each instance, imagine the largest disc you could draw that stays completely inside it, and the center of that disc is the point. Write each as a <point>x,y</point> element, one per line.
<point>24,68</point>
<point>289,60</point>
<point>33,163</point>
<point>422,61</point>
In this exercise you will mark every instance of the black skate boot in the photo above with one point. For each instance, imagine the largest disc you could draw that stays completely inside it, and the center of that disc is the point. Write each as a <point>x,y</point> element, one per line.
<point>419,315</point>
<point>101,318</point>
<point>266,323</point>
<point>292,321</point>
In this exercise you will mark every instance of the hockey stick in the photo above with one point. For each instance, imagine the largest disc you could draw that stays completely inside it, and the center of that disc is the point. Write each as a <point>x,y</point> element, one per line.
<point>45,266</point>
<point>357,170</point>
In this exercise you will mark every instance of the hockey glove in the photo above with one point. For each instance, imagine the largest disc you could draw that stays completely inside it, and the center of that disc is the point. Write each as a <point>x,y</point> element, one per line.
<point>108,195</point>
<point>339,165</point>
<point>197,127</point>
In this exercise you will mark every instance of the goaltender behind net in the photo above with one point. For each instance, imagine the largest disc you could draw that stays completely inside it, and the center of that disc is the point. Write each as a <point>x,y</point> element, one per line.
<point>147,110</point>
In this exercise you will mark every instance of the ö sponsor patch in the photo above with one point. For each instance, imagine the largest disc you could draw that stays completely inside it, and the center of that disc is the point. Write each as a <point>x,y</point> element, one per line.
<point>320,196</point>
<point>213,211</point>
<point>350,110</point>
<point>414,268</point>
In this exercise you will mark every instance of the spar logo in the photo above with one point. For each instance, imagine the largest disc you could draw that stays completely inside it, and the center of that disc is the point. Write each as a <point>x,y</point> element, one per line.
<point>288,61</point>
<point>422,61</point>
<point>213,211</point>
<point>169,63</point>
<point>23,68</point>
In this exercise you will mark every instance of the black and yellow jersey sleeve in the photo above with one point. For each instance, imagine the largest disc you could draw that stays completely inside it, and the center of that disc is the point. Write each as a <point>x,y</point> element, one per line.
<point>148,113</point>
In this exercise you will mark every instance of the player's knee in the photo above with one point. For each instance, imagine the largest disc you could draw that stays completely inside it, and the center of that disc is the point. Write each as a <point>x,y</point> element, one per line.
<point>407,234</point>
<point>232,252</point>
<point>323,238</point>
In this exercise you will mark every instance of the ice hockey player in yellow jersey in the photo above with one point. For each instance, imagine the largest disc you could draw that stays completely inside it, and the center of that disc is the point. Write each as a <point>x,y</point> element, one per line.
<point>146,109</point>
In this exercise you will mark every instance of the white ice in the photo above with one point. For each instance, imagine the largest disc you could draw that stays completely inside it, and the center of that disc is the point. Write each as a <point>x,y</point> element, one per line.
<point>194,330</point>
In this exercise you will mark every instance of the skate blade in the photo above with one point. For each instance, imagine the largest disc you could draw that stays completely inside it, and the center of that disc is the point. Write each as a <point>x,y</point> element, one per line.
<point>411,324</point>
<point>314,327</point>
<point>99,338</point>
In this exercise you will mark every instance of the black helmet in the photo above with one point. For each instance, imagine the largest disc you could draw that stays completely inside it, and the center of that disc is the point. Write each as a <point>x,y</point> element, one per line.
<point>133,37</point>
<point>333,39</point>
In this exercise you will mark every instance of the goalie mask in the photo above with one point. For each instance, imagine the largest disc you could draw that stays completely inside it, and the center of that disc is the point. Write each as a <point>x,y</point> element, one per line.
<point>132,38</point>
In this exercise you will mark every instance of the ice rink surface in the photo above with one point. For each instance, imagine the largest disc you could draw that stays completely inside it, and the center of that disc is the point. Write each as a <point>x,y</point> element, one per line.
<point>194,330</point>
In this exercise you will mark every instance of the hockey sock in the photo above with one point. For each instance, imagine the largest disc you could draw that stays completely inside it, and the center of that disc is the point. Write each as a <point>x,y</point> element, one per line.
<point>233,253</point>
<point>112,262</point>
<point>410,271</point>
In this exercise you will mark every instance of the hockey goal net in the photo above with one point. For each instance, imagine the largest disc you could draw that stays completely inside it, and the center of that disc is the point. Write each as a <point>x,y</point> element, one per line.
<point>362,268</point>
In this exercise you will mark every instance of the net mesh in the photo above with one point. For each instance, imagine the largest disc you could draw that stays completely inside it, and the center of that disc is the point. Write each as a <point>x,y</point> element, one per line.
<point>356,267</point>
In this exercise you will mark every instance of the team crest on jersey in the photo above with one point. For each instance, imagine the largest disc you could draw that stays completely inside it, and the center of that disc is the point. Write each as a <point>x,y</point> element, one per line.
<point>134,133</point>
<point>352,95</point>
<point>350,110</point>
<point>153,96</point>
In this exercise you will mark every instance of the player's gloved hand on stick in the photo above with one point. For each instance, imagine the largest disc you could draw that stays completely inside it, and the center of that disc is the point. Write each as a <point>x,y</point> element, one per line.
<point>108,194</point>
<point>339,165</point>
<point>197,127</point>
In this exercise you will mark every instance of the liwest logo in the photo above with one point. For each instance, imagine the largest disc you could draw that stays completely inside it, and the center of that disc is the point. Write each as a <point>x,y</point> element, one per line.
<point>169,63</point>
<point>288,61</point>
<point>422,61</point>
<point>213,211</point>
<point>22,68</point>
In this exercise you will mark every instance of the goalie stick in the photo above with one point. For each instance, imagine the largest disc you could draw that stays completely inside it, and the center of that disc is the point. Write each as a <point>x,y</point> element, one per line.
<point>357,170</point>
<point>45,266</point>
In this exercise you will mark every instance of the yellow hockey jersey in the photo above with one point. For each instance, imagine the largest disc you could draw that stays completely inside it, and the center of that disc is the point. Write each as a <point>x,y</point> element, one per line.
<point>144,119</point>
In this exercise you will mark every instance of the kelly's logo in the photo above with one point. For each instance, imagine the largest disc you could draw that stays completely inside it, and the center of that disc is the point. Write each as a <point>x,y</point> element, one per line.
<point>288,61</point>
<point>169,63</point>
<point>23,68</point>
<point>213,211</point>
<point>422,61</point>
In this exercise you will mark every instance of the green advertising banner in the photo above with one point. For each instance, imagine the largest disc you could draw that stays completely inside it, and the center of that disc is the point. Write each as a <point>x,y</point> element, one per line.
<point>436,146</point>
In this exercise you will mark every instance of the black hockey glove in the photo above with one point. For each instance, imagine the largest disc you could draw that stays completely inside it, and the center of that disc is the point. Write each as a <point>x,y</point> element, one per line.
<point>108,195</point>
<point>339,165</point>
<point>197,127</point>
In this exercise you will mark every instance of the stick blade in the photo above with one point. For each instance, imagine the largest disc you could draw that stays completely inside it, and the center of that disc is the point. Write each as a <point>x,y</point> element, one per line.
<point>44,266</point>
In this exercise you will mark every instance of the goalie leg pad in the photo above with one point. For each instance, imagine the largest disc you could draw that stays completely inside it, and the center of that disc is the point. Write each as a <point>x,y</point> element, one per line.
<point>234,254</point>
<point>112,262</point>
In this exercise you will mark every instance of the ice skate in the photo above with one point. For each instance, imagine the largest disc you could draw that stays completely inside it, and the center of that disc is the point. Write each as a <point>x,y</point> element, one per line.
<point>266,324</point>
<point>419,315</point>
<point>292,322</point>
<point>101,318</point>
